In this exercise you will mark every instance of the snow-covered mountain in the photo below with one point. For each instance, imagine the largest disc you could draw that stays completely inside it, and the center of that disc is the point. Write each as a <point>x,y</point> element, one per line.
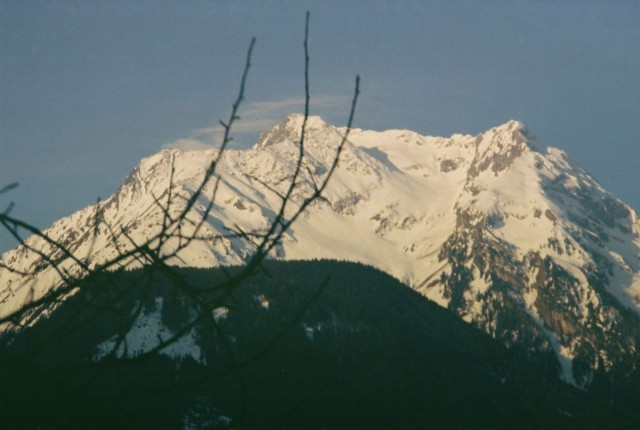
<point>509,234</point>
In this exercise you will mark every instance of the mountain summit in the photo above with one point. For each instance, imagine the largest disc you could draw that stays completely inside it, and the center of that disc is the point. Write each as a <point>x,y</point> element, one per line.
<point>510,235</point>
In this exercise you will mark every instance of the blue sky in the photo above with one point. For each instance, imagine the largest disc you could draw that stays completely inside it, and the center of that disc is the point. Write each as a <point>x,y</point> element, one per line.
<point>88,88</point>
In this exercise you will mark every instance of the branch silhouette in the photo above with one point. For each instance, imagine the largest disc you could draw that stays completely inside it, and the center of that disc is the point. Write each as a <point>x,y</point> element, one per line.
<point>80,273</point>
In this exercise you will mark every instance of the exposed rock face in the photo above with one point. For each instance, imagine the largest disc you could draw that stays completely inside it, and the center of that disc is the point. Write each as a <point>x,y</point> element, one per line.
<point>510,235</point>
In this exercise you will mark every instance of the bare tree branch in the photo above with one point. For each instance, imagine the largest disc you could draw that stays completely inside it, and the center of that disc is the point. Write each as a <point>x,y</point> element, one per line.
<point>158,250</point>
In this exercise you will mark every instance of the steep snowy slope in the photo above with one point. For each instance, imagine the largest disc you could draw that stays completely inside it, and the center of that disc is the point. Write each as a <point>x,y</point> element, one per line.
<point>511,235</point>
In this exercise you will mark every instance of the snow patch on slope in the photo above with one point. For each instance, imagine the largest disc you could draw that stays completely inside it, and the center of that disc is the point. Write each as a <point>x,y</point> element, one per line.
<point>147,332</point>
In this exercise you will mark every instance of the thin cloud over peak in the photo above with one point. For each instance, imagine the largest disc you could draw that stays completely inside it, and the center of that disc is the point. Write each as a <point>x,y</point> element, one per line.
<point>255,117</point>
<point>187,144</point>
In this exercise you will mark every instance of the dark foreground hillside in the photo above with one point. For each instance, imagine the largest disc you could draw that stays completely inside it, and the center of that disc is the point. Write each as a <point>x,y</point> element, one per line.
<point>304,345</point>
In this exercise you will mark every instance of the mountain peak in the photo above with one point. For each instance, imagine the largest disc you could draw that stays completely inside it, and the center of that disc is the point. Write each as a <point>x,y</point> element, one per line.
<point>498,147</point>
<point>515,133</point>
<point>296,120</point>
<point>290,129</point>
<point>511,125</point>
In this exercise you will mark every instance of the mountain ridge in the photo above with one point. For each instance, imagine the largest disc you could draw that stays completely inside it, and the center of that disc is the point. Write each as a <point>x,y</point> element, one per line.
<point>491,226</point>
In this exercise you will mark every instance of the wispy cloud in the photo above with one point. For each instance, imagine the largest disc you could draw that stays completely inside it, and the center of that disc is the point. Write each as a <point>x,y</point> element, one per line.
<point>255,117</point>
<point>187,144</point>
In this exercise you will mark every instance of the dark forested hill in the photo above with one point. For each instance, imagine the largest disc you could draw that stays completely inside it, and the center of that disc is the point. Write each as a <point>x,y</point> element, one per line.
<point>320,344</point>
